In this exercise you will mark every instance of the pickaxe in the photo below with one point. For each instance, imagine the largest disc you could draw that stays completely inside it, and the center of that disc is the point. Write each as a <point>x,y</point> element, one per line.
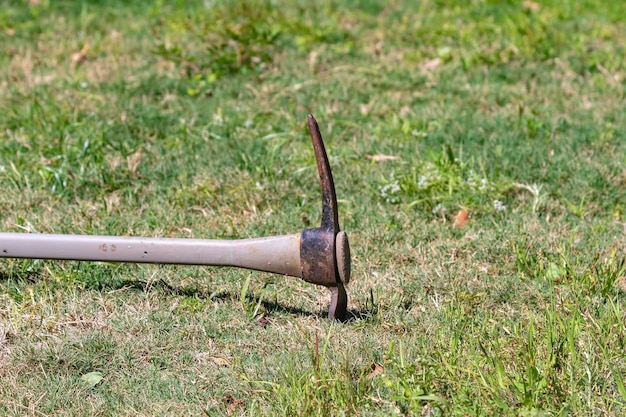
<point>320,256</point>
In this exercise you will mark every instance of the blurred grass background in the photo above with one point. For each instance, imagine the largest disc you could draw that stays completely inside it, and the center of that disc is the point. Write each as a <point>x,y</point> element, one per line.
<point>187,119</point>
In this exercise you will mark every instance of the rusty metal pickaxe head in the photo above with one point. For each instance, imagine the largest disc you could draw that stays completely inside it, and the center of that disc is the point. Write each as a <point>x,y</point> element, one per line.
<point>325,251</point>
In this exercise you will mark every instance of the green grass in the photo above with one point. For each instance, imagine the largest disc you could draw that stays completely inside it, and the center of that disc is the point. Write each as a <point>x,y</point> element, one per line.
<point>188,119</point>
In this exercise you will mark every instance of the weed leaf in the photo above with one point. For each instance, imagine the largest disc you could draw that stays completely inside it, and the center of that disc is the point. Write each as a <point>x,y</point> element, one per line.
<point>92,378</point>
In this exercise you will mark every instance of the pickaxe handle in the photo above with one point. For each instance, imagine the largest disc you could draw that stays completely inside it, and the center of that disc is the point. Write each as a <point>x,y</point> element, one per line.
<point>276,254</point>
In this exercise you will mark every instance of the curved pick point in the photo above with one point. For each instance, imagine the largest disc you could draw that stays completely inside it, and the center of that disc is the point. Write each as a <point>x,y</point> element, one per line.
<point>330,218</point>
<point>324,251</point>
<point>338,303</point>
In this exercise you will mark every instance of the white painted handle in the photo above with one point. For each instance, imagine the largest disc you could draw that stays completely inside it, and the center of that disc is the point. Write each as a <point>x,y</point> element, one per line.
<point>278,254</point>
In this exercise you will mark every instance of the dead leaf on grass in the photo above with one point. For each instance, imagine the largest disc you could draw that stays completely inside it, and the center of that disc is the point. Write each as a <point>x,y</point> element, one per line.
<point>431,64</point>
<point>112,201</point>
<point>80,56</point>
<point>133,161</point>
<point>115,35</point>
<point>114,161</point>
<point>220,360</point>
<point>233,403</point>
<point>207,357</point>
<point>377,369</point>
<point>365,108</point>
<point>313,61</point>
<point>530,5</point>
<point>382,158</point>
<point>461,219</point>
<point>264,321</point>
<point>404,111</point>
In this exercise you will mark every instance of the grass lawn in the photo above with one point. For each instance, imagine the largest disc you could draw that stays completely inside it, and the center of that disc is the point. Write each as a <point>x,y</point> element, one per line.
<point>479,155</point>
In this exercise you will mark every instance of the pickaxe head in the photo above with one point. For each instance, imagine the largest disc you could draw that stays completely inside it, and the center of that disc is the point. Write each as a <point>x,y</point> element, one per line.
<point>325,251</point>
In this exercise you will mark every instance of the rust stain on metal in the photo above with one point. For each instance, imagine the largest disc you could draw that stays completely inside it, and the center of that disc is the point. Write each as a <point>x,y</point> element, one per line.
<point>317,248</point>
<point>330,215</point>
<point>317,257</point>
